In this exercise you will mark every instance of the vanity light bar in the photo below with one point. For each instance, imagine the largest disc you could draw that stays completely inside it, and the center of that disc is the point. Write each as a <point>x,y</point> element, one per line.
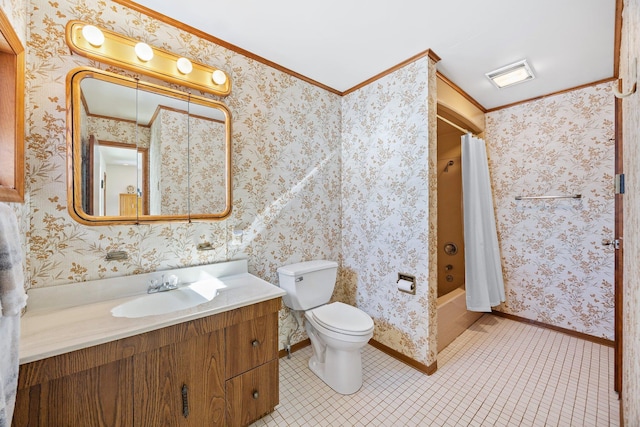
<point>120,51</point>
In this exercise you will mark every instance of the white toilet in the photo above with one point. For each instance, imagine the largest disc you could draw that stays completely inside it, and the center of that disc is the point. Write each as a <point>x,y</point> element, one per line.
<point>337,331</point>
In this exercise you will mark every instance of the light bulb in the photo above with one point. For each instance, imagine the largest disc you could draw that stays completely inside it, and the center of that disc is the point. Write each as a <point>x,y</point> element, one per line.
<point>144,52</point>
<point>219,77</point>
<point>93,35</point>
<point>184,65</point>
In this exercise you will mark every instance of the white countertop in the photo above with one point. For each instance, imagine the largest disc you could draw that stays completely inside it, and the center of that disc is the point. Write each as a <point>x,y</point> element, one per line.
<point>65,318</point>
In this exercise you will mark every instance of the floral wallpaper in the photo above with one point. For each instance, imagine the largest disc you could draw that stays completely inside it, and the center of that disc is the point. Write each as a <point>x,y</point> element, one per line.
<point>286,163</point>
<point>555,267</point>
<point>122,131</point>
<point>387,165</point>
<point>631,241</point>
<point>16,12</point>
<point>172,143</point>
<point>207,165</point>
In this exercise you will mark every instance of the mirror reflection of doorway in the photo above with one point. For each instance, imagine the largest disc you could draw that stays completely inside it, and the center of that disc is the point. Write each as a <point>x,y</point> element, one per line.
<point>127,168</point>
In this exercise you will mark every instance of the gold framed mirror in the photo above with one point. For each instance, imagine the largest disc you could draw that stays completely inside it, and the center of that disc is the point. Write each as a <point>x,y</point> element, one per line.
<point>139,152</point>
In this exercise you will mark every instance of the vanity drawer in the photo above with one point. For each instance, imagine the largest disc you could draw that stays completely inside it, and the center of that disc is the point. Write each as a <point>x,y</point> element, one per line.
<point>252,394</point>
<point>251,343</point>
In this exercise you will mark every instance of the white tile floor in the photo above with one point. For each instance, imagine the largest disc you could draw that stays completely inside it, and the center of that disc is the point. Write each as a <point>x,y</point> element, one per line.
<point>497,373</point>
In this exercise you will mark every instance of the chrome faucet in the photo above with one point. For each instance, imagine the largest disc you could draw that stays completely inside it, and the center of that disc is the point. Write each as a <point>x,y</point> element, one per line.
<point>164,285</point>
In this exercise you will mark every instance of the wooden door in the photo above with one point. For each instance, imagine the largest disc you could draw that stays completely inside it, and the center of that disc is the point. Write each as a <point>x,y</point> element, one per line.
<point>618,245</point>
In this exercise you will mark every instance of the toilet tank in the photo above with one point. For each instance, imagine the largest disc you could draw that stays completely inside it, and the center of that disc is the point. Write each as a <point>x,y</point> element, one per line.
<point>308,284</point>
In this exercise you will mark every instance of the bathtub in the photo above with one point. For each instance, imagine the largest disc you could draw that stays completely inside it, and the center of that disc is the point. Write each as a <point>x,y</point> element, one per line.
<point>453,317</point>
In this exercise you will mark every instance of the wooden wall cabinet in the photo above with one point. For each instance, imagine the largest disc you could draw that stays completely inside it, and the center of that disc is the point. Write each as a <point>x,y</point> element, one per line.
<point>181,375</point>
<point>11,113</point>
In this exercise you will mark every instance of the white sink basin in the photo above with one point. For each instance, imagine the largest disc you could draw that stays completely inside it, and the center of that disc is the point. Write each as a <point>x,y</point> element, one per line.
<point>165,302</point>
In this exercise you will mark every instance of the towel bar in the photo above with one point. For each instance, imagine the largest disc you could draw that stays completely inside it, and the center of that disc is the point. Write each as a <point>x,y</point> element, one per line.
<point>571,196</point>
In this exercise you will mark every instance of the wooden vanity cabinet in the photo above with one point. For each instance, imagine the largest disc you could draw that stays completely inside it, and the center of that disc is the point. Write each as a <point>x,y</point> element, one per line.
<point>181,375</point>
<point>252,386</point>
<point>91,397</point>
<point>180,384</point>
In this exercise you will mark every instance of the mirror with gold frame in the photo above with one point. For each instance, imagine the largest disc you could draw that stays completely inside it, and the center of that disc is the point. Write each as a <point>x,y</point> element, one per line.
<point>140,152</point>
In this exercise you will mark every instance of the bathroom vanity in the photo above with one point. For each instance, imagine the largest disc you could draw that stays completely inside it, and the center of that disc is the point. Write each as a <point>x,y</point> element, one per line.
<point>215,364</point>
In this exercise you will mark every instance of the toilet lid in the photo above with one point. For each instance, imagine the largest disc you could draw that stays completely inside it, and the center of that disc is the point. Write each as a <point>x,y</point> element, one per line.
<point>341,317</point>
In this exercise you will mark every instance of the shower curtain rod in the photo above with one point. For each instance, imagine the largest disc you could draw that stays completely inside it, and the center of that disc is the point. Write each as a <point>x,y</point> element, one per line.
<point>455,125</point>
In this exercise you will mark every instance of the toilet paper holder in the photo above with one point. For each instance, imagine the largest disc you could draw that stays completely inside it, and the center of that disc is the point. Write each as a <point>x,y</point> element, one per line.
<point>406,283</point>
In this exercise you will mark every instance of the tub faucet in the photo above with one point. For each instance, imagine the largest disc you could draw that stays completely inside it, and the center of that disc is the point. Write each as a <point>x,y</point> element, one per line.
<point>163,286</point>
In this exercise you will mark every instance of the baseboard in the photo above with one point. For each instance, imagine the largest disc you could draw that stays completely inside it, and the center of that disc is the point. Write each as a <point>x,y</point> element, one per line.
<point>426,369</point>
<point>298,346</point>
<point>581,335</point>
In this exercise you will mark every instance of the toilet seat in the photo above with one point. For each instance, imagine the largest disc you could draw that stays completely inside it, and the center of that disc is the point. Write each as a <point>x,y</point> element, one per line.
<point>343,318</point>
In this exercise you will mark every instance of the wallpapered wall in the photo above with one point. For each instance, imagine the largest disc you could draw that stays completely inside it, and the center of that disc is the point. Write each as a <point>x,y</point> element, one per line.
<point>117,130</point>
<point>388,216</point>
<point>16,12</point>
<point>556,269</point>
<point>170,137</point>
<point>631,242</point>
<point>286,142</point>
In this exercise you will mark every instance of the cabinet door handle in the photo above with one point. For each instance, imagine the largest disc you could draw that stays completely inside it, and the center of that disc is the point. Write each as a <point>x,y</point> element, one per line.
<point>185,400</point>
<point>255,394</point>
<point>255,343</point>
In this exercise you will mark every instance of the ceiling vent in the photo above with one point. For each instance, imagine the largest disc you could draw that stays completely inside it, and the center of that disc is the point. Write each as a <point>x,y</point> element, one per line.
<point>511,74</point>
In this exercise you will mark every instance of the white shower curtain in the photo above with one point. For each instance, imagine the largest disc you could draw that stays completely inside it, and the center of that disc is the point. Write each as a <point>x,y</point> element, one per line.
<point>483,270</point>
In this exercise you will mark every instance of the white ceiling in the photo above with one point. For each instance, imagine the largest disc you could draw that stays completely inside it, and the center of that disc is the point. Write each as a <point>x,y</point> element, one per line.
<point>342,43</point>
<point>121,156</point>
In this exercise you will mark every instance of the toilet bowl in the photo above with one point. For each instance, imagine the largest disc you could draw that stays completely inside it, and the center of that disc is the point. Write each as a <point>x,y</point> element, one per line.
<point>337,331</point>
